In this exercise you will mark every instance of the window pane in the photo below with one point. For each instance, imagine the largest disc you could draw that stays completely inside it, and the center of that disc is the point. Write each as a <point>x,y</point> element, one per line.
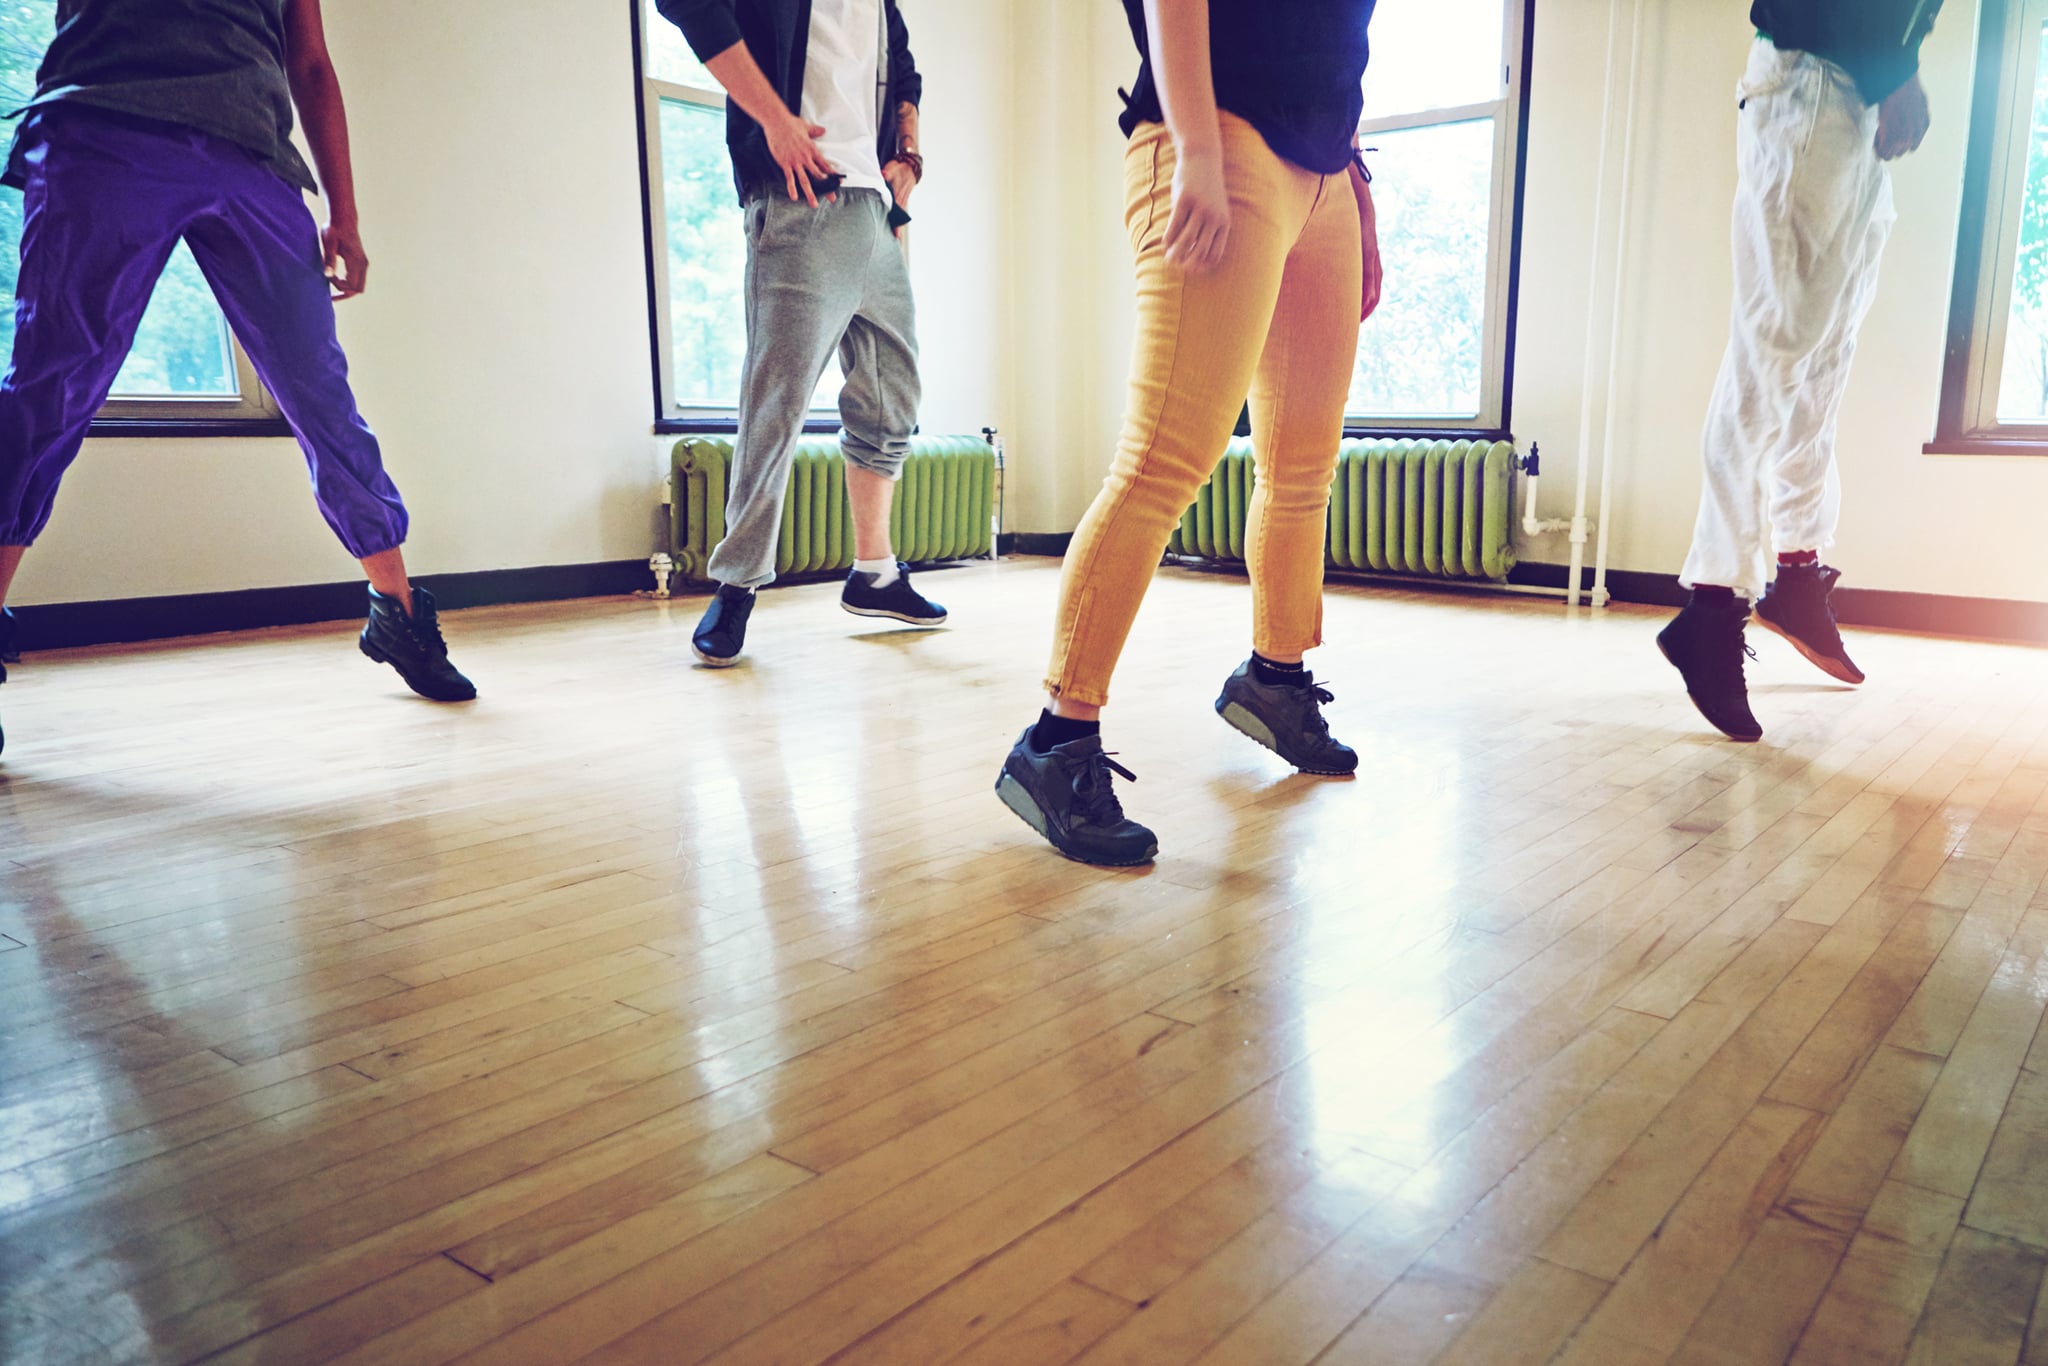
<point>182,349</point>
<point>2023,390</point>
<point>707,257</point>
<point>1442,54</point>
<point>1422,354</point>
<point>667,57</point>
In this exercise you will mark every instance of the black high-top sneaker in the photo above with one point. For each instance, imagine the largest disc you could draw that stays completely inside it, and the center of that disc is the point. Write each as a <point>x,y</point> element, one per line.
<point>413,646</point>
<point>1797,607</point>
<point>1065,794</point>
<point>722,631</point>
<point>1704,643</point>
<point>898,601</point>
<point>10,653</point>
<point>1287,719</point>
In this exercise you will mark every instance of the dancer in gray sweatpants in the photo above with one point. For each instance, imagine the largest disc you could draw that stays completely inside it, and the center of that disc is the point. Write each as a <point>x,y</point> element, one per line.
<point>822,125</point>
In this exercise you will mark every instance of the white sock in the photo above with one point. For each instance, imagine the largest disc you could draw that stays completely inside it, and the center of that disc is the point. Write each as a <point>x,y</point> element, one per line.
<point>883,570</point>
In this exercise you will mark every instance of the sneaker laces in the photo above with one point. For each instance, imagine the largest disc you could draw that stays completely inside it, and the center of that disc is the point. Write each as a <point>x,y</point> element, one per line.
<point>1096,789</point>
<point>423,622</point>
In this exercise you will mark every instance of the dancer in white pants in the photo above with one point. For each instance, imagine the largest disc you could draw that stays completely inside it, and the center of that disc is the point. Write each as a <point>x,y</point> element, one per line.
<point>1813,211</point>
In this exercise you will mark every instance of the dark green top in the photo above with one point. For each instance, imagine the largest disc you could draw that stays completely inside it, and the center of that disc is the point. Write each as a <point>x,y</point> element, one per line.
<point>214,65</point>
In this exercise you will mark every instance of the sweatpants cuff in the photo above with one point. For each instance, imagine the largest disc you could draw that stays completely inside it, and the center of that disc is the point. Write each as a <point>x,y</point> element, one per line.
<point>890,467</point>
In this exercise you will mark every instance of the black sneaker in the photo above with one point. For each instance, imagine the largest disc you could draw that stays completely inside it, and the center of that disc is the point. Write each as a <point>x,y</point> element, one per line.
<point>1796,607</point>
<point>898,601</point>
<point>413,646</point>
<point>1065,794</point>
<point>10,653</point>
<point>722,631</point>
<point>1286,719</point>
<point>1704,643</point>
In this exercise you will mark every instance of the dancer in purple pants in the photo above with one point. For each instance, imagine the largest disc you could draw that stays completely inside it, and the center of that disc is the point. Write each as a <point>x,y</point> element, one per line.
<point>156,120</point>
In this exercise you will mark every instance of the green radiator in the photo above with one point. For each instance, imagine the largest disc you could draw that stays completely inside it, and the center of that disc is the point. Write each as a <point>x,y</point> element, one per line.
<point>1438,508</point>
<point>944,507</point>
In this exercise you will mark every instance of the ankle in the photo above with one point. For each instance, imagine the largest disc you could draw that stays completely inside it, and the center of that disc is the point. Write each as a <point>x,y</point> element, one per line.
<point>1052,731</point>
<point>1277,674</point>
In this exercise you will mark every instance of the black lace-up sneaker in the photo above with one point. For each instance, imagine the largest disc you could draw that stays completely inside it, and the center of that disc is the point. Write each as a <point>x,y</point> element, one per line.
<point>1704,643</point>
<point>10,653</point>
<point>722,631</point>
<point>1065,793</point>
<point>898,601</point>
<point>1796,606</point>
<point>1287,719</point>
<point>413,646</point>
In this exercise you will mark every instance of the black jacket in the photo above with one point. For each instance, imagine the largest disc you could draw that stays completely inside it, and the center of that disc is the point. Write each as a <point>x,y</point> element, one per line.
<point>778,34</point>
<point>1875,41</point>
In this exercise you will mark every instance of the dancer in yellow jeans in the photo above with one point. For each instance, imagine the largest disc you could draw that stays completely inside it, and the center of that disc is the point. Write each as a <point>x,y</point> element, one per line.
<point>1257,258</point>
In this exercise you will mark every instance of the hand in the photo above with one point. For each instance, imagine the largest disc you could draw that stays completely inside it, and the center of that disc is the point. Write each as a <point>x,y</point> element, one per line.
<point>794,145</point>
<point>902,180</point>
<point>342,258</point>
<point>1198,233</point>
<point>1369,231</point>
<point>1902,121</point>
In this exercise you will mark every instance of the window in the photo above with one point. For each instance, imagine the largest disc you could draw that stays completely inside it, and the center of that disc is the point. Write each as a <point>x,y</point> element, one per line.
<point>1995,397</point>
<point>699,248</point>
<point>1442,125</point>
<point>185,365</point>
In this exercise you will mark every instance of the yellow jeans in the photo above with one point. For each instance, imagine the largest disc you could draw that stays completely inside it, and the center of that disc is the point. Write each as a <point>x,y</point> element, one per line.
<point>1278,319</point>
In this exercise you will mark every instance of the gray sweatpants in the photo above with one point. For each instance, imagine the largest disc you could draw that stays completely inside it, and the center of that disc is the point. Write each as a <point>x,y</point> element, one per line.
<point>817,279</point>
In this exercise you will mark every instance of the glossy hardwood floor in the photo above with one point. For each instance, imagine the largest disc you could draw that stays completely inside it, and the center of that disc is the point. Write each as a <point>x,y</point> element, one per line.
<point>643,1014</point>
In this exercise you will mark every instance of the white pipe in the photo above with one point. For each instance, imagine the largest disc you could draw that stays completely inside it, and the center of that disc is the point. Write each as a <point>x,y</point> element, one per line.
<point>1591,360</point>
<point>1532,525</point>
<point>1607,440</point>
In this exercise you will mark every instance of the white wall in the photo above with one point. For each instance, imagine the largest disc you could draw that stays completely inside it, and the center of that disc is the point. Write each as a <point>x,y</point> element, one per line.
<point>501,352</point>
<point>1935,524</point>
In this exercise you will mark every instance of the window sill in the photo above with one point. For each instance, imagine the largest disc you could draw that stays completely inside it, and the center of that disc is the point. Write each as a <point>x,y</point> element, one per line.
<point>189,427</point>
<point>1980,445</point>
<point>726,426</point>
<point>1360,432</point>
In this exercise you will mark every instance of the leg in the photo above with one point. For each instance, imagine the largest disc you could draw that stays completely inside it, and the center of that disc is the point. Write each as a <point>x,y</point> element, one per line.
<point>803,284</point>
<point>878,403</point>
<point>99,222</point>
<point>1802,215</point>
<point>1298,403</point>
<point>260,251</point>
<point>1198,344</point>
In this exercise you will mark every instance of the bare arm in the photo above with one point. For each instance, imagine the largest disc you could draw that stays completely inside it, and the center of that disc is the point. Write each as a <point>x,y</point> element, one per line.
<point>1198,234</point>
<point>791,141</point>
<point>317,93</point>
<point>904,170</point>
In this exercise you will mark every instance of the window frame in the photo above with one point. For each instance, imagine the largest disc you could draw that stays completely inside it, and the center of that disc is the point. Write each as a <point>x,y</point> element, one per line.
<point>670,417</point>
<point>1510,113</point>
<point>2008,71</point>
<point>252,412</point>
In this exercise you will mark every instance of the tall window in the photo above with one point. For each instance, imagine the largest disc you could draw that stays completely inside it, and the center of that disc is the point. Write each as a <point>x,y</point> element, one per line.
<point>700,250</point>
<point>1996,394</point>
<point>1443,103</point>
<point>186,364</point>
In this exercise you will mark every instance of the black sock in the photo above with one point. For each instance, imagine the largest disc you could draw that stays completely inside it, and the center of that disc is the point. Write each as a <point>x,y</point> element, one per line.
<point>1274,674</point>
<point>1715,596</point>
<point>1058,730</point>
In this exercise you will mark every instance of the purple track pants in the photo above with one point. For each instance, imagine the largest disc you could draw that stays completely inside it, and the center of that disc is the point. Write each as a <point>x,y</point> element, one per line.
<point>107,199</point>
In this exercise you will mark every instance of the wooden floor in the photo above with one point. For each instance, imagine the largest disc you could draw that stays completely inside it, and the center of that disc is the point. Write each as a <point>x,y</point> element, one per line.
<point>639,1013</point>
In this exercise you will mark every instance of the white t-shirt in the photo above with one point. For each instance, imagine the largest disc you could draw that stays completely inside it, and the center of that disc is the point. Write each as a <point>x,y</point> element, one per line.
<point>842,91</point>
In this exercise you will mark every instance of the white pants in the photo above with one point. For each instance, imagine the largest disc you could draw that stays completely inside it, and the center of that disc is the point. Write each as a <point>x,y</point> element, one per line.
<point>1812,212</point>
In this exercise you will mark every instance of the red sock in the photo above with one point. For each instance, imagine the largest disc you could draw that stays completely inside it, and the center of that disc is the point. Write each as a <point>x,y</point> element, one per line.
<point>1798,557</point>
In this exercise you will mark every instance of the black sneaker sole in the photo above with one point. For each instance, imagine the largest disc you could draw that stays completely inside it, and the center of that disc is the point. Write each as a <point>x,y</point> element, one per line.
<point>1013,795</point>
<point>713,661</point>
<point>376,655</point>
<point>1240,719</point>
<point>907,620</point>
<point>1839,670</point>
<point>1738,739</point>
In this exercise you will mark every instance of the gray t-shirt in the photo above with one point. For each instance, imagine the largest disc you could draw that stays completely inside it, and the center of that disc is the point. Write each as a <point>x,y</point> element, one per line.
<point>214,65</point>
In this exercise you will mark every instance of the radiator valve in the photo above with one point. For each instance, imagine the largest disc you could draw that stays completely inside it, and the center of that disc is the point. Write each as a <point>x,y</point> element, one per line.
<point>662,565</point>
